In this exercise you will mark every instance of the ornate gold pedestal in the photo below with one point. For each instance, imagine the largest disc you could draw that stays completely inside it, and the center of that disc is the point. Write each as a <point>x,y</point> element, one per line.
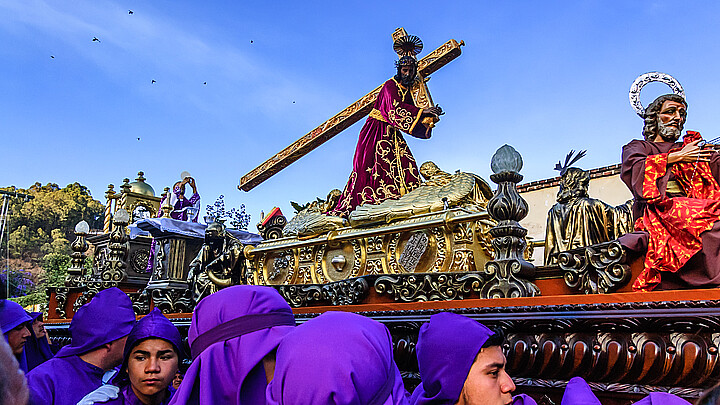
<point>447,241</point>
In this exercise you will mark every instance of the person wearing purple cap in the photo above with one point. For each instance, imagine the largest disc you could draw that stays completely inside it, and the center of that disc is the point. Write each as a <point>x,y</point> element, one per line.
<point>461,362</point>
<point>665,398</point>
<point>233,336</point>
<point>338,358</point>
<point>37,348</point>
<point>151,358</point>
<point>14,323</point>
<point>98,330</point>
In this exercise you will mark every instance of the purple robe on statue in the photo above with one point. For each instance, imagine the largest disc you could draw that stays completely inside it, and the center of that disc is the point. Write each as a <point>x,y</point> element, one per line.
<point>446,349</point>
<point>11,316</point>
<point>230,333</point>
<point>383,167</point>
<point>66,378</point>
<point>37,350</point>
<point>153,325</point>
<point>337,358</point>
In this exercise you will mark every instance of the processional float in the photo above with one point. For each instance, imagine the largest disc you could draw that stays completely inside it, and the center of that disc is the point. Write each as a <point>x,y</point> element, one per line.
<point>454,245</point>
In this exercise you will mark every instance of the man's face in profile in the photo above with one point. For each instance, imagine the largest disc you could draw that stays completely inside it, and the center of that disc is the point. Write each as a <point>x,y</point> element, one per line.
<point>487,382</point>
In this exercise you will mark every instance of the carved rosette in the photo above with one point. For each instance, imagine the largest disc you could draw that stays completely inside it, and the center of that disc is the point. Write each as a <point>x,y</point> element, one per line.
<point>509,274</point>
<point>429,286</point>
<point>595,269</point>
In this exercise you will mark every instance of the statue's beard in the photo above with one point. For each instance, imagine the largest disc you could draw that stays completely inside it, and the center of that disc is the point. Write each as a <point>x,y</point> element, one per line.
<point>668,133</point>
<point>407,80</point>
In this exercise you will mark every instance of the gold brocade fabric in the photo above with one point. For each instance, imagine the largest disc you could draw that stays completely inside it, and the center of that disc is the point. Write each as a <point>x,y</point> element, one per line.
<point>375,113</point>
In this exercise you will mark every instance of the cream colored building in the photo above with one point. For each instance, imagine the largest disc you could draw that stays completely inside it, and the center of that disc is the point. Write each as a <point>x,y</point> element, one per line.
<point>605,185</point>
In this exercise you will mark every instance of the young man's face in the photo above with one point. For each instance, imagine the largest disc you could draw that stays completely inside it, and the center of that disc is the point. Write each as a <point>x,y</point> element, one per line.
<point>17,338</point>
<point>487,382</point>
<point>151,367</point>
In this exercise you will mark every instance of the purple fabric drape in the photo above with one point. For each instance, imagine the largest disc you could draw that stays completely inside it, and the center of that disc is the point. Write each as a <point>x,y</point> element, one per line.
<point>231,371</point>
<point>446,349</point>
<point>383,166</point>
<point>62,381</point>
<point>337,358</point>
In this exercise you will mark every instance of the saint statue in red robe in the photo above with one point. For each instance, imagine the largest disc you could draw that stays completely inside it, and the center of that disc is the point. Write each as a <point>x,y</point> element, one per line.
<point>383,166</point>
<point>677,200</point>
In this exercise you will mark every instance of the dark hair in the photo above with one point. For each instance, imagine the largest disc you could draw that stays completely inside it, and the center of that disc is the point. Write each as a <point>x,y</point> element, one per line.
<point>651,112</point>
<point>573,184</point>
<point>497,339</point>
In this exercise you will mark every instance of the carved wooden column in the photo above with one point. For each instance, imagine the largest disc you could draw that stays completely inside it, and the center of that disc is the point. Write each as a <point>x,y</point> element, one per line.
<point>77,258</point>
<point>118,247</point>
<point>508,275</point>
<point>110,196</point>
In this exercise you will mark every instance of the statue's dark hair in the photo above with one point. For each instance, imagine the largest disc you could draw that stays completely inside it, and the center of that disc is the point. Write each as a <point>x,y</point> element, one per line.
<point>573,184</point>
<point>709,397</point>
<point>496,339</point>
<point>651,114</point>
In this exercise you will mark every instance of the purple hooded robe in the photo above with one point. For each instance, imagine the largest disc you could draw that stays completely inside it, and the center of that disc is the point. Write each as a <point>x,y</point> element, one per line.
<point>66,378</point>
<point>338,358</point>
<point>578,392</point>
<point>37,350</point>
<point>446,349</point>
<point>230,333</point>
<point>153,326</point>
<point>11,316</point>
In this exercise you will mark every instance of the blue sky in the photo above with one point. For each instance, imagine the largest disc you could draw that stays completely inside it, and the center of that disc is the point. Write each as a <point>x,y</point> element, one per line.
<point>545,77</point>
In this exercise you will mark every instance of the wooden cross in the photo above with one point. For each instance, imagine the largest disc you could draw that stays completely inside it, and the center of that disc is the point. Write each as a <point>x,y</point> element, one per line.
<point>352,114</point>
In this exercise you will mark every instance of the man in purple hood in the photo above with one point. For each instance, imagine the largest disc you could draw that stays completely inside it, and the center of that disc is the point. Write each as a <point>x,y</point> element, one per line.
<point>152,355</point>
<point>233,336</point>
<point>338,358</point>
<point>14,323</point>
<point>461,362</point>
<point>98,330</point>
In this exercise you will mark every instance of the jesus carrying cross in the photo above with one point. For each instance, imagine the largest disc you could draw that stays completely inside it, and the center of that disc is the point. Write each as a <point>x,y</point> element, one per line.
<point>383,166</point>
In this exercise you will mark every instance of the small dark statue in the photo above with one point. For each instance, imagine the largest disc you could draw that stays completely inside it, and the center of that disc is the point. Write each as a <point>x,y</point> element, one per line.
<point>578,220</point>
<point>219,263</point>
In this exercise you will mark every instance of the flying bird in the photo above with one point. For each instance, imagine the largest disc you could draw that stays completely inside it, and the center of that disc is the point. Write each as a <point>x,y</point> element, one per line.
<point>95,39</point>
<point>130,12</point>
<point>205,83</point>
<point>251,41</point>
<point>153,81</point>
<point>52,57</point>
<point>138,139</point>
